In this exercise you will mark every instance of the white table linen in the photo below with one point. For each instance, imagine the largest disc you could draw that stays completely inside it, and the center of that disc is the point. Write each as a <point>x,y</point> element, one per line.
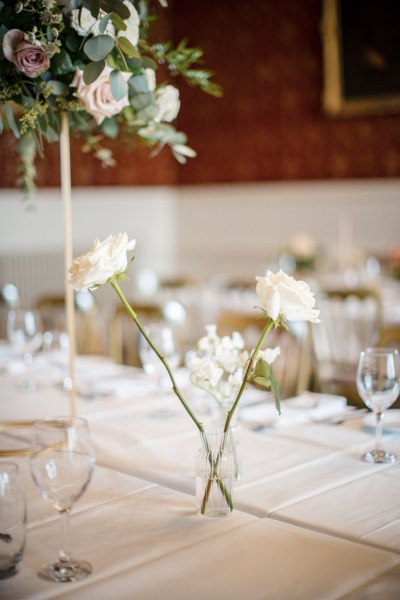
<point>311,519</point>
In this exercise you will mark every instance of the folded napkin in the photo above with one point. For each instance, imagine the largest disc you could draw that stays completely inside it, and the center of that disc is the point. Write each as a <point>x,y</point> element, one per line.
<point>304,408</point>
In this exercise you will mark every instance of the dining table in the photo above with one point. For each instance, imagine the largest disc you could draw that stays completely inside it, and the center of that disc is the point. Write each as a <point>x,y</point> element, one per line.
<point>311,519</point>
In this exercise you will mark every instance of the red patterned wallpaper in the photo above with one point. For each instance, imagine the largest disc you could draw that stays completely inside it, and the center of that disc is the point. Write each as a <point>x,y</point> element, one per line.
<point>268,126</point>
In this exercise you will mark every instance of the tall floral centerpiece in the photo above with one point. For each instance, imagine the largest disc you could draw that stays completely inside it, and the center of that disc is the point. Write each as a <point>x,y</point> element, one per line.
<point>88,66</point>
<point>281,298</point>
<point>92,61</point>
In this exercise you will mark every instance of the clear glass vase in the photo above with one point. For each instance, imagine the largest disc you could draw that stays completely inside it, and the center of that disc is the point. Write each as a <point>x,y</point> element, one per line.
<point>214,474</point>
<point>219,412</point>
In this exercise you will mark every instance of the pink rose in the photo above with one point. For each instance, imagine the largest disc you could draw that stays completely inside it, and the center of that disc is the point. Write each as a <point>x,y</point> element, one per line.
<point>29,58</point>
<point>96,98</point>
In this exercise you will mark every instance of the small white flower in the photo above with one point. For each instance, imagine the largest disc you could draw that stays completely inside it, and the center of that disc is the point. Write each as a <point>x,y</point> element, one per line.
<point>269,354</point>
<point>167,99</point>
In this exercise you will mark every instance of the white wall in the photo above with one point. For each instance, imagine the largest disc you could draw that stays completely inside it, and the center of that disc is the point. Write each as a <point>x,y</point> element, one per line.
<point>205,230</point>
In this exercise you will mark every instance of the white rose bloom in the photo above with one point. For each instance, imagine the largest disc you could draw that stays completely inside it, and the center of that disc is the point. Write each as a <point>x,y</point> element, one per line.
<point>282,295</point>
<point>87,23</point>
<point>96,98</point>
<point>204,371</point>
<point>103,261</point>
<point>132,25</point>
<point>167,99</point>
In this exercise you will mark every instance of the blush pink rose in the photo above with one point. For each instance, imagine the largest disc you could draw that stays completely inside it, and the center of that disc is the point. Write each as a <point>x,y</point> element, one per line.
<point>96,98</point>
<point>29,58</point>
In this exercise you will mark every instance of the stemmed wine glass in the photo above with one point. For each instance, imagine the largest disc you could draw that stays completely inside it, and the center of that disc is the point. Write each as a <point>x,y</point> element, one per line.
<point>162,336</point>
<point>24,330</point>
<point>378,384</point>
<point>61,463</point>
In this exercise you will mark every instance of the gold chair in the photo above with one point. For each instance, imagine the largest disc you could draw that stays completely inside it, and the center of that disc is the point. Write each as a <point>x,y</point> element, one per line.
<point>292,369</point>
<point>351,319</point>
<point>124,335</point>
<point>90,334</point>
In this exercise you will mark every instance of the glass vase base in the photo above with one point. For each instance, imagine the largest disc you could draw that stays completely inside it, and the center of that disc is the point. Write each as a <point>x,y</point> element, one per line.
<point>379,456</point>
<point>64,572</point>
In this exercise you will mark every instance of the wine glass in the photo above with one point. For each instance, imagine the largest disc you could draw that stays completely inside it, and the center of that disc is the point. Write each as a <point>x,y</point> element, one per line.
<point>162,336</point>
<point>61,463</point>
<point>378,384</point>
<point>24,330</point>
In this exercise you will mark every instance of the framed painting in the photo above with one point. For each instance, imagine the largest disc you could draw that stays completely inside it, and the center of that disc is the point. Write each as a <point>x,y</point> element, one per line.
<point>361,51</point>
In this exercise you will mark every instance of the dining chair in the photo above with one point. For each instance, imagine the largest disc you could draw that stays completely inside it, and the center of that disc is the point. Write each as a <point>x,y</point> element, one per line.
<point>90,335</point>
<point>124,334</point>
<point>351,319</point>
<point>292,369</point>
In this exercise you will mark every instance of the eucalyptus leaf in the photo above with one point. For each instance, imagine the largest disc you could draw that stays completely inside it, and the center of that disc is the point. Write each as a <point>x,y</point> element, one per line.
<point>97,48</point>
<point>51,135</point>
<point>118,84</point>
<point>93,6</point>
<point>127,47</point>
<point>118,22</point>
<point>103,23</point>
<point>115,6</point>
<point>11,121</point>
<point>140,101</point>
<point>135,64</point>
<point>110,127</point>
<point>148,113</point>
<point>139,84</point>
<point>43,123</point>
<point>149,63</point>
<point>92,71</point>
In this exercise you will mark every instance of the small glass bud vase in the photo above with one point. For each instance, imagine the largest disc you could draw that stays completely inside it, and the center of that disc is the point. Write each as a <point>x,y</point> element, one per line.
<point>219,412</point>
<point>214,474</point>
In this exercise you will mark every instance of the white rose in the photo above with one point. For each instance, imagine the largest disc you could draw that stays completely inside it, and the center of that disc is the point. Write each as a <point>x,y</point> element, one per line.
<point>282,295</point>
<point>96,98</point>
<point>132,25</point>
<point>167,99</point>
<point>204,371</point>
<point>85,22</point>
<point>103,261</point>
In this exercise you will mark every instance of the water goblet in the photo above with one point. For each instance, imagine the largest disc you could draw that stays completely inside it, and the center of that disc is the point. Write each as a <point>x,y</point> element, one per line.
<point>12,519</point>
<point>378,384</point>
<point>61,463</point>
<point>162,336</point>
<point>25,334</point>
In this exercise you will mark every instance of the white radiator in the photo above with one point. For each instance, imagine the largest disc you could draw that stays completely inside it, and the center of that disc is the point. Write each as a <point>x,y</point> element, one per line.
<point>34,274</point>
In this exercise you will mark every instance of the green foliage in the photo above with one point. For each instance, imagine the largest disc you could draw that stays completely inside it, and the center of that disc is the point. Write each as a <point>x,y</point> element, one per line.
<point>81,39</point>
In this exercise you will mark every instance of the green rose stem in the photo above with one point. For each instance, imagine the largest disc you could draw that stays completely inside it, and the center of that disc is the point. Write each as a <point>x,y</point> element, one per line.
<point>135,318</point>
<point>214,465</point>
<point>260,342</point>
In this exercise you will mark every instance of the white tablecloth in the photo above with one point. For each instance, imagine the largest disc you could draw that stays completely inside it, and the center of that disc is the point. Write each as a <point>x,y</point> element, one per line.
<point>311,519</point>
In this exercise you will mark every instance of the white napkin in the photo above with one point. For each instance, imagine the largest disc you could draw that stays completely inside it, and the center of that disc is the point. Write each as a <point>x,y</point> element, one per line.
<point>307,407</point>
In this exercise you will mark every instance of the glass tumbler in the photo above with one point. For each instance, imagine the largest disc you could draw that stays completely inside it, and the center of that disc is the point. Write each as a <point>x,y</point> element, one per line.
<point>12,519</point>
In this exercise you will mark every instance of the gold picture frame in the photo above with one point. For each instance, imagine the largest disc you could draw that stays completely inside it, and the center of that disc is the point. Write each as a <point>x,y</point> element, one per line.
<point>361,54</point>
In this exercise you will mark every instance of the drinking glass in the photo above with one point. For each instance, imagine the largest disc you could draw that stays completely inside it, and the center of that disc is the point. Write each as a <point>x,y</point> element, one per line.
<point>12,519</point>
<point>24,331</point>
<point>162,336</point>
<point>378,384</point>
<point>62,462</point>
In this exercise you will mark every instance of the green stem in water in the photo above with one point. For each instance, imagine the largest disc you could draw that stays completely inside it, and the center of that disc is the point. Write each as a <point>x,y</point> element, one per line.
<point>135,318</point>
